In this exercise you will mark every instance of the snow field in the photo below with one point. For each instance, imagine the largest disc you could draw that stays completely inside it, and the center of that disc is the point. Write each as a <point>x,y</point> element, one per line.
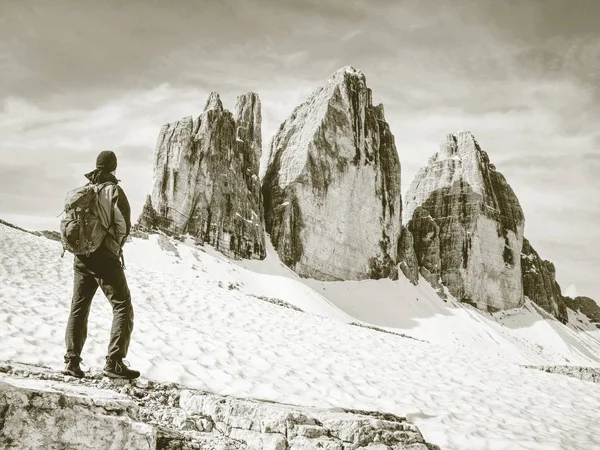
<point>199,322</point>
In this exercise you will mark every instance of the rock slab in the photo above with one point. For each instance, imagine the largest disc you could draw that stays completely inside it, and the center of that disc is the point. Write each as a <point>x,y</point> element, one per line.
<point>42,409</point>
<point>270,426</point>
<point>332,186</point>
<point>41,415</point>
<point>206,179</point>
<point>467,225</point>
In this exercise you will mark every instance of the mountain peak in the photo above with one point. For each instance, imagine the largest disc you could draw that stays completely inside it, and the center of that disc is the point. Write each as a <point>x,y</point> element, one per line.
<point>332,185</point>
<point>213,102</point>
<point>346,72</point>
<point>457,144</point>
<point>474,224</point>
<point>206,179</point>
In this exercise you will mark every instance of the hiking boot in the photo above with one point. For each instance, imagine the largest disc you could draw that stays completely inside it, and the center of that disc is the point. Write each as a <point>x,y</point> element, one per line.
<point>72,368</point>
<point>119,369</point>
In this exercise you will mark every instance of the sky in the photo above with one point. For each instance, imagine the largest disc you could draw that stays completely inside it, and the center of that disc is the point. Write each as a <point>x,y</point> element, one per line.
<point>78,77</point>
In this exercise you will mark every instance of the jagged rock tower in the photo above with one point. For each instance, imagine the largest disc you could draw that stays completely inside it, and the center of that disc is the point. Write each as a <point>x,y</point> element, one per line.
<point>206,178</point>
<point>467,225</point>
<point>332,186</point>
<point>539,283</point>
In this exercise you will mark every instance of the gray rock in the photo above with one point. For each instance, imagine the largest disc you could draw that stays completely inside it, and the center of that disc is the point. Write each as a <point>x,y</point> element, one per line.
<point>407,258</point>
<point>467,225</point>
<point>586,306</point>
<point>182,422</point>
<point>426,240</point>
<point>35,415</point>
<point>204,425</point>
<point>273,426</point>
<point>256,439</point>
<point>304,443</point>
<point>539,283</point>
<point>332,186</point>
<point>206,179</point>
<point>52,235</point>
<point>172,417</point>
<point>591,374</point>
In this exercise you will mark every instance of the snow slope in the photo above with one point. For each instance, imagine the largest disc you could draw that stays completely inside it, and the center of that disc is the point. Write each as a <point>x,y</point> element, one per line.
<point>526,335</point>
<point>210,323</point>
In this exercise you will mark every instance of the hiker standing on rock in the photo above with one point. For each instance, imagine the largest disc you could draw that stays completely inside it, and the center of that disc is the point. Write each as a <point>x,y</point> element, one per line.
<point>96,225</point>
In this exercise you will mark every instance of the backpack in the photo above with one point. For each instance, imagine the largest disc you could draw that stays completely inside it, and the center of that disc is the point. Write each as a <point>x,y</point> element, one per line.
<point>81,229</point>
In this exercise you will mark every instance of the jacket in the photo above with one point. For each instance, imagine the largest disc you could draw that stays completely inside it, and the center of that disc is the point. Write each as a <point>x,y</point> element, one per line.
<point>114,210</point>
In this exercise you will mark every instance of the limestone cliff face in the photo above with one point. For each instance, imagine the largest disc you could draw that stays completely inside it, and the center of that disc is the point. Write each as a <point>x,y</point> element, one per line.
<point>467,225</point>
<point>206,178</point>
<point>407,258</point>
<point>539,283</point>
<point>332,186</point>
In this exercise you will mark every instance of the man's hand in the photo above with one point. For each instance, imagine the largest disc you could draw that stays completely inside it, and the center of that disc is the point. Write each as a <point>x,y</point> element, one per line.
<point>121,257</point>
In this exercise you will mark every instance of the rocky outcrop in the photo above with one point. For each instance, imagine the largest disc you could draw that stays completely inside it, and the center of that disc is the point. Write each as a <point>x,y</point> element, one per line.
<point>332,186</point>
<point>206,179</point>
<point>591,374</point>
<point>40,409</point>
<point>467,225</point>
<point>539,283</point>
<point>276,426</point>
<point>40,415</point>
<point>48,234</point>
<point>586,306</point>
<point>426,241</point>
<point>407,258</point>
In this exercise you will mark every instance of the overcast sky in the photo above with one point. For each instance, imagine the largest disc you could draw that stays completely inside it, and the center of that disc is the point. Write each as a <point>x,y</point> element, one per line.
<point>80,76</point>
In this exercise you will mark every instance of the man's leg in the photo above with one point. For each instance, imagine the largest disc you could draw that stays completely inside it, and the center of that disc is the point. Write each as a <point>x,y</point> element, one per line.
<point>84,288</point>
<point>114,285</point>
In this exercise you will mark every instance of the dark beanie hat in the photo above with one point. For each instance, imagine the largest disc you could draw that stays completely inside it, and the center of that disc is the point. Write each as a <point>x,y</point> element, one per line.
<point>106,161</point>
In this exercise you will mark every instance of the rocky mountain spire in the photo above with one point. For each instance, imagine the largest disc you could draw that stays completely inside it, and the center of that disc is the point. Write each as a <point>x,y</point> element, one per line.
<point>467,225</point>
<point>539,283</point>
<point>213,102</point>
<point>332,186</point>
<point>206,178</point>
<point>249,120</point>
<point>540,286</point>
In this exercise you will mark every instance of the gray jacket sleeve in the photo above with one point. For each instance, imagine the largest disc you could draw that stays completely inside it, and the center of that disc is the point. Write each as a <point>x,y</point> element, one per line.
<point>117,212</point>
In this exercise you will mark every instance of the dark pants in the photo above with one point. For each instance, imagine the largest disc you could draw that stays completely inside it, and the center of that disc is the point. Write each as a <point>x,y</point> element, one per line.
<point>102,269</point>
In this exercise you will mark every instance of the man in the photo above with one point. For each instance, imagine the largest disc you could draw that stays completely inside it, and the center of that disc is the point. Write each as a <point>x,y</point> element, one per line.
<point>103,268</point>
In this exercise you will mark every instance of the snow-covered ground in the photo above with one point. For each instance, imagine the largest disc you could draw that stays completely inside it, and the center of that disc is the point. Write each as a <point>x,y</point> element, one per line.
<point>211,323</point>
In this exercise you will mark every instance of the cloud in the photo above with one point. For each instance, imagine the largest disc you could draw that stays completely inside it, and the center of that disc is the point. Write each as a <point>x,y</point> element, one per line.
<point>46,152</point>
<point>570,291</point>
